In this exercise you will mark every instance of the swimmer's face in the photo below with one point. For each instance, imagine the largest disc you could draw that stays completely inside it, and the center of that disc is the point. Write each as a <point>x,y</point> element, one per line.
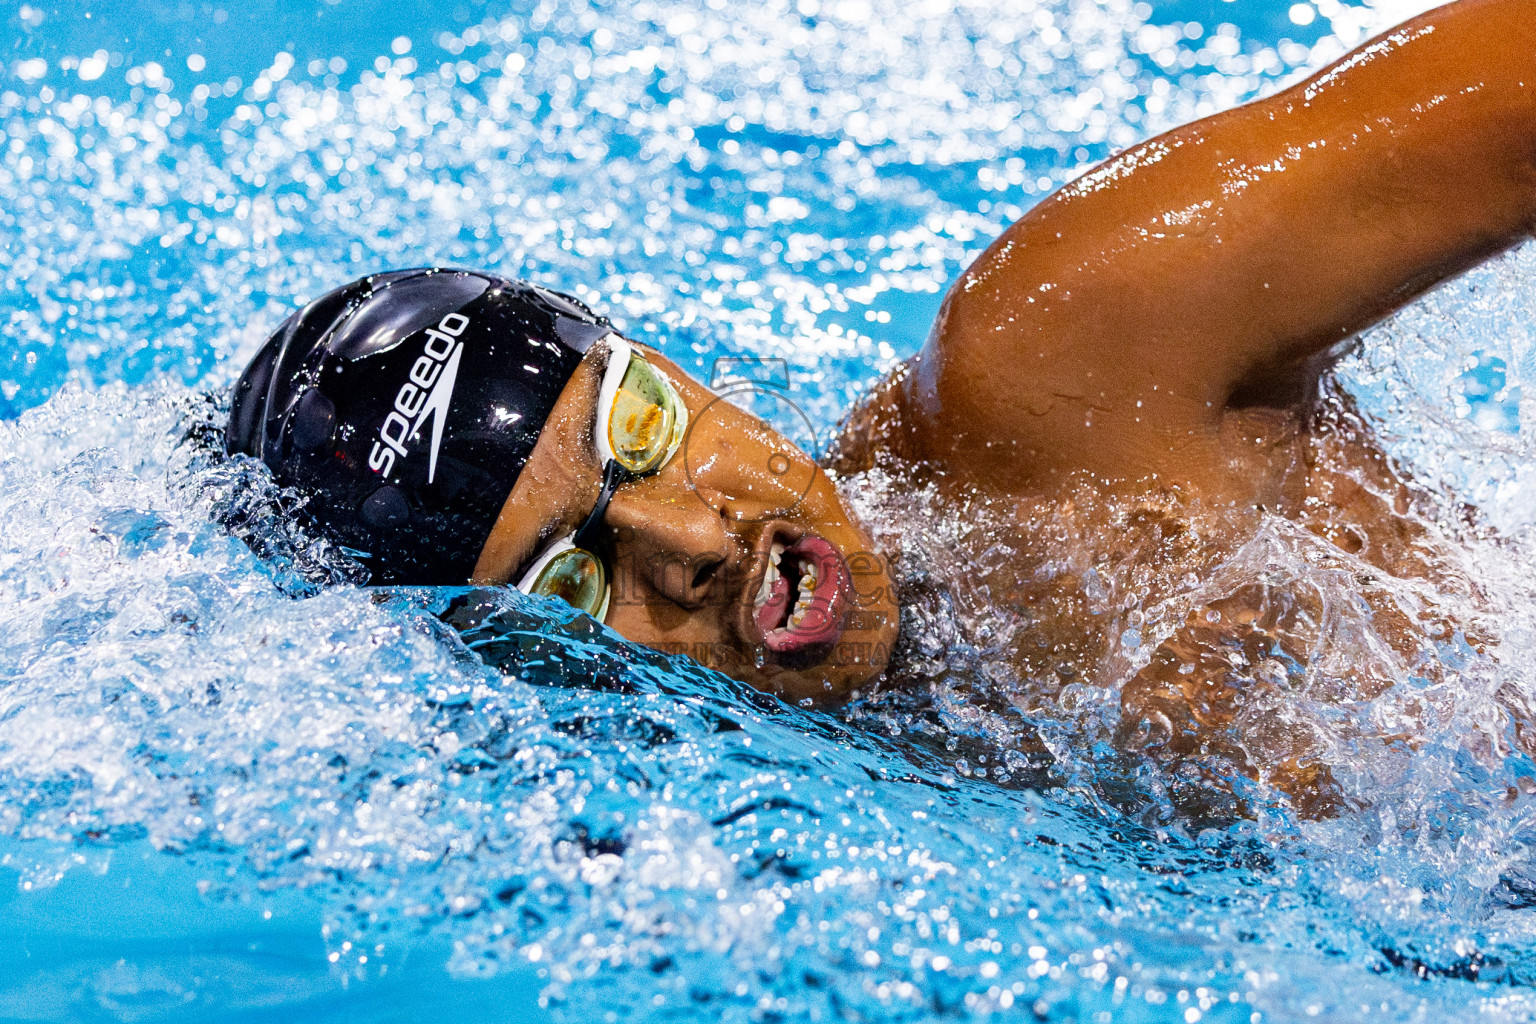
<point>738,552</point>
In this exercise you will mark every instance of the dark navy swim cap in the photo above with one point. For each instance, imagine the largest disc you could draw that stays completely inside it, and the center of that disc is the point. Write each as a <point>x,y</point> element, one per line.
<point>405,406</point>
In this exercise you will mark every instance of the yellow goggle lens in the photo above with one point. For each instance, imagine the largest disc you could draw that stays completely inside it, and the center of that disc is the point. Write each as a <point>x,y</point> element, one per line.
<point>644,414</point>
<point>576,577</point>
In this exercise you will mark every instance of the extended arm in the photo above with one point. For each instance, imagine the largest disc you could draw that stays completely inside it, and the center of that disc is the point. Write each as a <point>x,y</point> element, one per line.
<point>1209,265</point>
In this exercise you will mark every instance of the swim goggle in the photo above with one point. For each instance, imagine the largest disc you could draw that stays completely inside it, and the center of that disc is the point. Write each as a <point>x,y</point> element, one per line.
<point>640,424</point>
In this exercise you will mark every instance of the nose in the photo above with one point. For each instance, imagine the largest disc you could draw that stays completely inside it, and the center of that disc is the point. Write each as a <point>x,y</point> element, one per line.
<point>686,528</point>
<point>672,540</point>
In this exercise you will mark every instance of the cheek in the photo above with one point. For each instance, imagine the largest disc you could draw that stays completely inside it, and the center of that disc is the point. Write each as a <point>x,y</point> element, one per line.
<point>823,505</point>
<point>735,458</point>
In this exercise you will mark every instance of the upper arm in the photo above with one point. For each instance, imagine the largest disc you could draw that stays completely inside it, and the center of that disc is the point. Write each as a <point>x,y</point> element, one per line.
<point>1210,259</point>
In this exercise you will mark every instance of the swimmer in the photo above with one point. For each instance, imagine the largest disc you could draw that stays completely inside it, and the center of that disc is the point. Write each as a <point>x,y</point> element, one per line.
<point>1161,326</point>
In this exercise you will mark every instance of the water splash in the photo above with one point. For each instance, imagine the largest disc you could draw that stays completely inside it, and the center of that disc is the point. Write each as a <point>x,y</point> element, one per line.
<point>797,181</point>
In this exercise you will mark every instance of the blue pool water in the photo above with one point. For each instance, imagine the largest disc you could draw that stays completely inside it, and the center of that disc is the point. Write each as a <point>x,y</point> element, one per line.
<point>227,793</point>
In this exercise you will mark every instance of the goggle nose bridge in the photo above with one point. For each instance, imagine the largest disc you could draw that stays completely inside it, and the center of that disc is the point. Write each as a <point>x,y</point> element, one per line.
<point>589,534</point>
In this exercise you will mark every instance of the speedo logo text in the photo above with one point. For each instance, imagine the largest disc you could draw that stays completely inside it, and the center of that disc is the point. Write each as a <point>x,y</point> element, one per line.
<point>426,393</point>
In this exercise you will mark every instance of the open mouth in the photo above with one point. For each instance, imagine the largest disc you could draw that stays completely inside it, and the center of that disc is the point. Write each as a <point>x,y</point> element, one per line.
<point>803,598</point>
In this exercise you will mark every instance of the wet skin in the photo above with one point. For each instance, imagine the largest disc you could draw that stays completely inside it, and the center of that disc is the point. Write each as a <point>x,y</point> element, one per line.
<point>1159,324</point>
<point>1116,327</point>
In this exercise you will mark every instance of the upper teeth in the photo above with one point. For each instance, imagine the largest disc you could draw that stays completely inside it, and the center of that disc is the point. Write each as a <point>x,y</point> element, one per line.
<point>775,553</point>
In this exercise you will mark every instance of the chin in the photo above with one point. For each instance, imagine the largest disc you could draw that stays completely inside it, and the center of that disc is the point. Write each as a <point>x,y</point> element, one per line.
<point>855,663</point>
